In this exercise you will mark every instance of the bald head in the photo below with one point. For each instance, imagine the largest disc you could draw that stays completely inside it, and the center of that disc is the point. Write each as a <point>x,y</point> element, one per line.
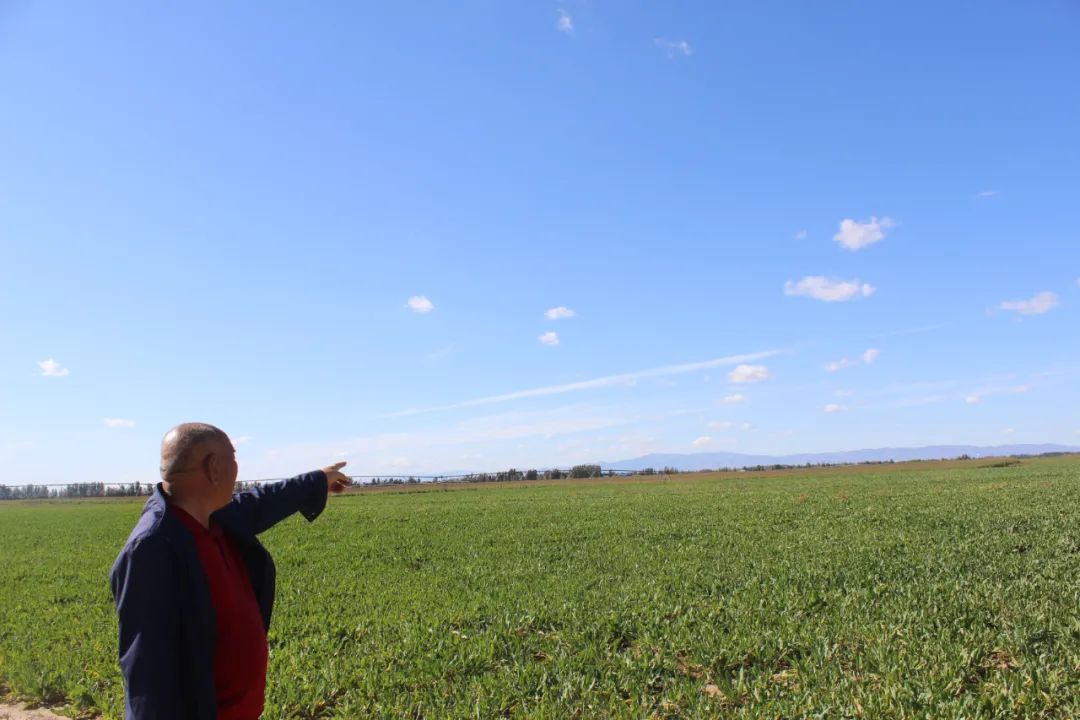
<point>184,444</point>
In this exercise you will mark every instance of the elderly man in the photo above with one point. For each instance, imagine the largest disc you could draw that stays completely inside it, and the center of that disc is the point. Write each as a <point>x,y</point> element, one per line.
<point>193,586</point>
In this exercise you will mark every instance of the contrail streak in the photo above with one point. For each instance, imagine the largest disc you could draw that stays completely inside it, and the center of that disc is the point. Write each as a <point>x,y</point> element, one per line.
<point>600,382</point>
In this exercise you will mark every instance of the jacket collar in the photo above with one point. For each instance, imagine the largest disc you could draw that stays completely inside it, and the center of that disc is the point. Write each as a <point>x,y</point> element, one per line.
<point>171,527</point>
<point>165,523</point>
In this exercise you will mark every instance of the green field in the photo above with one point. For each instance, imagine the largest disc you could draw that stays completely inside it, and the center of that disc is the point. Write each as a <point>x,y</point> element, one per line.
<point>921,591</point>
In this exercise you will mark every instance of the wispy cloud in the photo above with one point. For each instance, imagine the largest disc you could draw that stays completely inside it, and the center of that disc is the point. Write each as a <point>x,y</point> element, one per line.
<point>243,439</point>
<point>867,358</point>
<point>703,441</point>
<point>926,392</point>
<point>987,193</point>
<point>917,401</point>
<point>119,423</point>
<point>674,47</point>
<point>977,396</point>
<point>559,313</point>
<point>826,289</point>
<point>734,399</point>
<point>565,23</point>
<point>749,374</point>
<point>836,365</point>
<point>51,368</point>
<point>915,330</point>
<point>855,235</point>
<point>1037,305</point>
<point>801,235</point>
<point>550,338</point>
<point>440,447</point>
<point>419,304</point>
<point>833,408</point>
<point>15,447</point>
<point>595,383</point>
<point>443,352</point>
<point>723,425</point>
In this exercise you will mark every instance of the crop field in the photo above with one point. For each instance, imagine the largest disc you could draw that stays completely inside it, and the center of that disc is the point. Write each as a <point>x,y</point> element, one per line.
<point>907,591</point>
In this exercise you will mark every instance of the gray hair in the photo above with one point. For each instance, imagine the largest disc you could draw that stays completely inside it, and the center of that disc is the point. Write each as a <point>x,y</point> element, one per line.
<point>179,445</point>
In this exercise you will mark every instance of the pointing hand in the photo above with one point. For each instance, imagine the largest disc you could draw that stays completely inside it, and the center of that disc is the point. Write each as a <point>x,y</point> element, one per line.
<point>336,481</point>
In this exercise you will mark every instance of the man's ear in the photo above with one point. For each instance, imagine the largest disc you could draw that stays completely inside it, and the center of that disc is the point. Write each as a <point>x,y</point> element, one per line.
<point>210,467</point>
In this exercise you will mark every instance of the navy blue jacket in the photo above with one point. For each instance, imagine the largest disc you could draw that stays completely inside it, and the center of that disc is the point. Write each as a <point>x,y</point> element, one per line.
<point>167,622</point>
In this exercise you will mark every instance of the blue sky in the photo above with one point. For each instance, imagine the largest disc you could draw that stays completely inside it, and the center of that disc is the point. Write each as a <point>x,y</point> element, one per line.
<point>221,211</point>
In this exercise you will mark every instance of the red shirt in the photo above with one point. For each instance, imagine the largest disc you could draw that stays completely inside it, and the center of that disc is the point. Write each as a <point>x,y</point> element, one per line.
<point>240,651</point>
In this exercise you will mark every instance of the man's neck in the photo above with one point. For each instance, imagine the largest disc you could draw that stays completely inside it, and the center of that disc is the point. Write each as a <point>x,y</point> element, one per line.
<point>192,506</point>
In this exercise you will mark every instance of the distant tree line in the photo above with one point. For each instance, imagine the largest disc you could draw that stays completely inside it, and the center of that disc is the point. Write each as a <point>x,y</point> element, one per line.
<point>513,475</point>
<point>74,490</point>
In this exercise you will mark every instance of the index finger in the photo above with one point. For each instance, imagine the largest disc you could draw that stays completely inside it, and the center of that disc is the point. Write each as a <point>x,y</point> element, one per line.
<point>338,465</point>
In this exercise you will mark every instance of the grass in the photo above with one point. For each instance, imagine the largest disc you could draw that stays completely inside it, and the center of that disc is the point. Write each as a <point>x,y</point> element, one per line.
<point>915,591</point>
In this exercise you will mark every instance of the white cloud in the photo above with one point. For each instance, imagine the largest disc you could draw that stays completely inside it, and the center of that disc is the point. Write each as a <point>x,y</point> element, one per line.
<point>826,289</point>
<point>240,440</point>
<point>51,368</point>
<point>566,23</point>
<point>868,357</point>
<point>843,393</point>
<point>973,399</point>
<point>1040,303</point>
<point>1078,282</point>
<point>550,338</point>
<point>856,235</point>
<point>734,399</point>
<point>986,193</point>
<point>1008,431</point>
<point>835,408</point>
<point>559,313</point>
<point>674,47</point>
<point>837,365</point>
<point>401,461</point>
<point>420,304</point>
<point>702,441</point>
<point>749,374</point>
<point>720,425</point>
<point>607,381</point>
<point>119,423</point>
<point>801,235</point>
<point>747,426</point>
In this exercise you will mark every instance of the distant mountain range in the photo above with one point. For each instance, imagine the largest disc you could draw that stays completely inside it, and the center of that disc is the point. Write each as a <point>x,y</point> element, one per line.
<point>713,460</point>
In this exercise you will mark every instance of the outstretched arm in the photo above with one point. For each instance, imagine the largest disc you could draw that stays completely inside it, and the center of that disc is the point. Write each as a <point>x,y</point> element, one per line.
<point>260,508</point>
